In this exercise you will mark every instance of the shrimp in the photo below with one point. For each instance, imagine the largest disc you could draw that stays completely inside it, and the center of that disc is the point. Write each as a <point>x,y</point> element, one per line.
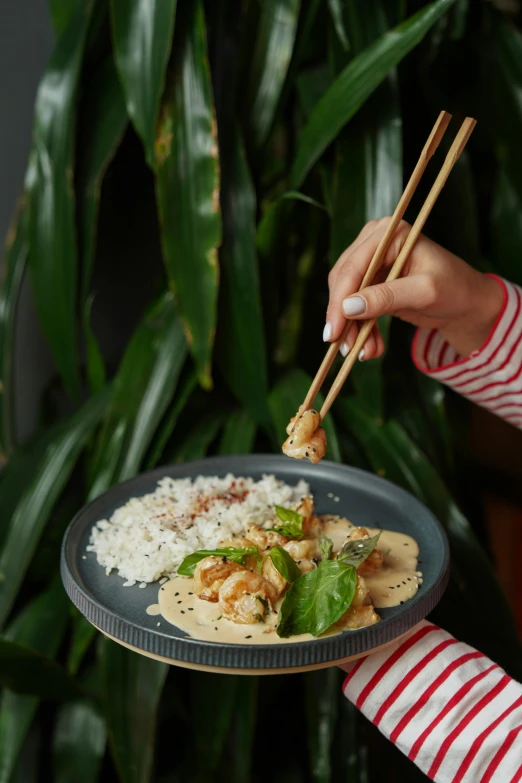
<point>272,575</point>
<point>209,575</point>
<point>361,612</point>
<point>264,539</point>
<point>375,559</point>
<point>311,525</point>
<point>246,597</point>
<point>306,438</point>
<point>239,542</point>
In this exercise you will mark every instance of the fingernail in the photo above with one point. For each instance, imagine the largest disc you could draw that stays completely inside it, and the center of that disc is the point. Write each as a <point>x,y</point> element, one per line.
<point>344,349</point>
<point>327,332</point>
<point>354,305</point>
<point>361,355</point>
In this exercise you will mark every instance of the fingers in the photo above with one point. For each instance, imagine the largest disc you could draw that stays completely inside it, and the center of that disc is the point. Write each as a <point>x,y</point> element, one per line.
<point>373,347</point>
<point>414,293</point>
<point>348,273</point>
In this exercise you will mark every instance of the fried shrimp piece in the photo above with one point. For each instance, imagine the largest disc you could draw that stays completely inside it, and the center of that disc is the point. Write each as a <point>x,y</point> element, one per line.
<point>264,539</point>
<point>272,575</point>
<point>311,525</point>
<point>303,552</point>
<point>375,560</point>
<point>306,439</point>
<point>238,542</point>
<point>361,612</point>
<point>210,574</point>
<point>246,597</point>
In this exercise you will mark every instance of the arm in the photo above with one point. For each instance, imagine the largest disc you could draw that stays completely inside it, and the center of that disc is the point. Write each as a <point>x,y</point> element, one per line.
<point>492,375</point>
<point>451,710</point>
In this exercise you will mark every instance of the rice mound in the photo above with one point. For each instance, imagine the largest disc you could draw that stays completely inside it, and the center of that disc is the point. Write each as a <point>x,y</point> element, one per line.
<point>148,537</point>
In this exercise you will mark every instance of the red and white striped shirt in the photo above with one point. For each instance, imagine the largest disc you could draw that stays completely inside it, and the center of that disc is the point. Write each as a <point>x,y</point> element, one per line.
<point>451,710</point>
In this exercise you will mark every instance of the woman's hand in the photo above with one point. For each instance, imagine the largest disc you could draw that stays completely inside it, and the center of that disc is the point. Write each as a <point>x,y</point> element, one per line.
<point>437,291</point>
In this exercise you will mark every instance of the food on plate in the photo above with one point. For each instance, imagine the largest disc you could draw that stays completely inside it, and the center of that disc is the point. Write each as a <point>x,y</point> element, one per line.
<point>297,583</point>
<point>250,561</point>
<point>306,439</point>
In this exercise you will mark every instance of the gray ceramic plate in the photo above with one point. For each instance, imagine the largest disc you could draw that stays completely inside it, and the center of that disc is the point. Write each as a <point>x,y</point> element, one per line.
<point>119,611</point>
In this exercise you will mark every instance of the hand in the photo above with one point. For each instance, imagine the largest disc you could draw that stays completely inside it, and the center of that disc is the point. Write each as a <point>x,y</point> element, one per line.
<point>437,290</point>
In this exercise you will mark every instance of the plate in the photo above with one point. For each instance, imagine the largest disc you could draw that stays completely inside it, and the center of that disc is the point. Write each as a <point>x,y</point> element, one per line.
<point>365,499</point>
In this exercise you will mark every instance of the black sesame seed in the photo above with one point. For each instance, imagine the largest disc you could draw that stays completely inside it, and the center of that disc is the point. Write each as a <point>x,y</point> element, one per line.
<point>398,585</point>
<point>174,593</point>
<point>405,544</point>
<point>248,637</point>
<point>402,602</point>
<point>291,441</point>
<point>179,602</point>
<point>182,612</point>
<point>191,593</point>
<point>391,587</point>
<point>315,450</point>
<point>306,453</point>
<point>404,583</point>
<point>191,609</point>
<point>409,578</point>
<point>215,628</point>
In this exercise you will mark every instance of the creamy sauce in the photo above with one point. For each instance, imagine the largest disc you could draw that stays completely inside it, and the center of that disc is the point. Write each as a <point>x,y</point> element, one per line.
<point>395,582</point>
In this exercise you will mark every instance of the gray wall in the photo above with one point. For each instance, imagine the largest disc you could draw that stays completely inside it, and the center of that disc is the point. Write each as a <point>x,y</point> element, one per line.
<point>26,40</point>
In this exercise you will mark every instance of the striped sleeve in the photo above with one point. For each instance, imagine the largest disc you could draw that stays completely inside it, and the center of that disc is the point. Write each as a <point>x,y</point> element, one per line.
<point>491,376</point>
<point>451,710</point>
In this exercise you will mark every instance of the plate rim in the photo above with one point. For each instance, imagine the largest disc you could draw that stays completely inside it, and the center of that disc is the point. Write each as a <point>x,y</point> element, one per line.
<point>226,655</point>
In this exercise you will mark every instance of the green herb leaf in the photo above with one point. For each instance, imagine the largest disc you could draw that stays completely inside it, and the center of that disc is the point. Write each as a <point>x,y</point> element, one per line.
<point>317,599</point>
<point>231,553</point>
<point>355,552</point>
<point>325,546</point>
<point>284,563</point>
<point>293,527</point>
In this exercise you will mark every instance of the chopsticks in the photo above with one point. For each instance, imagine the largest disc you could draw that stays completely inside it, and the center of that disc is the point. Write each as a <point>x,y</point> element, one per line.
<point>366,327</point>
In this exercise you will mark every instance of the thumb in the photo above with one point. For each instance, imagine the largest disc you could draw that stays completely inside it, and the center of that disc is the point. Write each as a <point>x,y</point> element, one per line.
<point>386,299</point>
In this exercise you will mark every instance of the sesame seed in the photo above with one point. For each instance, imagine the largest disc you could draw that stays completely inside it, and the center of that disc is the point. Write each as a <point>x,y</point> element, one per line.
<point>402,602</point>
<point>179,602</point>
<point>182,612</point>
<point>248,637</point>
<point>176,594</point>
<point>191,609</point>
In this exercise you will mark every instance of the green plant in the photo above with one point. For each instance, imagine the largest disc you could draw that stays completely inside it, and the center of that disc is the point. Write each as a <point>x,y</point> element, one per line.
<point>259,136</point>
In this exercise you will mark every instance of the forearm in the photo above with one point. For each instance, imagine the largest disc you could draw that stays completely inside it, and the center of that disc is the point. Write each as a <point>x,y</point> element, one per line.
<point>450,709</point>
<point>490,376</point>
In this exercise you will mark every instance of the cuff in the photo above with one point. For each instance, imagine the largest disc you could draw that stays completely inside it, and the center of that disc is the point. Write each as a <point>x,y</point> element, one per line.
<point>491,376</point>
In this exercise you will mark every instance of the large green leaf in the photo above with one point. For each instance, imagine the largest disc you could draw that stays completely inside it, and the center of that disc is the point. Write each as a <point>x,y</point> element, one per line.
<point>238,434</point>
<point>394,455</point>
<point>507,228</point>
<point>78,744</point>
<point>13,270</point>
<point>196,444</point>
<point>274,43</point>
<point>52,235</point>
<point>40,627</point>
<point>243,729</point>
<point>244,367</point>
<point>356,83</point>
<point>284,401</point>
<point>187,185</point>
<point>24,671</point>
<point>142,390</point>
<point>210,735</point>
<point>167,426</point>
<point>502,96</point>
<point>43,490</point>
<point>61,12</point>
<point>133,685</point>
<point>104,107</point>
<point>142,34</point>
<point>322,700</point>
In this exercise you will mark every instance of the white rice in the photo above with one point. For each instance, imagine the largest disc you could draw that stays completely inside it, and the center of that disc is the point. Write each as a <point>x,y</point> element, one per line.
<point>148,537</point>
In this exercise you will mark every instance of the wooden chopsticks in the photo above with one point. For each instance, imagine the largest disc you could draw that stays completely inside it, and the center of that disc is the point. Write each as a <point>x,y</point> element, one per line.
<point>366,327</point>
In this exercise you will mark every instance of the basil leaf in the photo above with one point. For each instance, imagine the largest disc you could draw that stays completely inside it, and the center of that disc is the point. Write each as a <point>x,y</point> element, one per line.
<point>231,553</point>
<point>325,546</point>
<point>284,563</point>
<point>355,552</point>
<point>317,599</point>
<point>293,527</point>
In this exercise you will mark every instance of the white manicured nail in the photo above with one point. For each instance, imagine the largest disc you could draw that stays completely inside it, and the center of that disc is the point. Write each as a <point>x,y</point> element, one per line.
<point>354,305</point>
<point>344,349</point>
<point>361,355</point>
<point>327,332</point>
